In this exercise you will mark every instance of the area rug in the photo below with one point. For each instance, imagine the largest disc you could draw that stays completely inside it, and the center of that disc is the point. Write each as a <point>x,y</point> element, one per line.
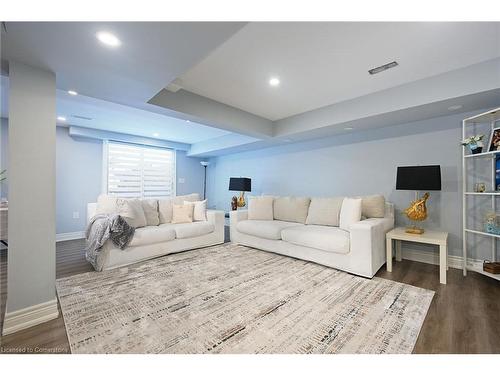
<point>234,299</point>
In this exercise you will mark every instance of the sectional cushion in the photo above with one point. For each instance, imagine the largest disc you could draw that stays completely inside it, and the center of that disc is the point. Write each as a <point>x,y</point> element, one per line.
<point>196,229</point>
<point>326,238</point>
<point>131,210</point>
<point>373,206</point>
<point>150,208</point>
<point>350,212</point>
<point>260,208</point>
<point>324,211</point>
<point>165,206</point>
<point>106,204</point>
<point>291,209</point>
<point>151,235</point>
<point>268,229</point>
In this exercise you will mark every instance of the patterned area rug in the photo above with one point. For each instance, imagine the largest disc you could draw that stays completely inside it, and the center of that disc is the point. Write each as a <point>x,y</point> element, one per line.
<point>233,299</point>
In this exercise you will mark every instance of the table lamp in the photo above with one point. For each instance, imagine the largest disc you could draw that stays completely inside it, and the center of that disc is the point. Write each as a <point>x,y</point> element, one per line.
<point>418,178</point>
<point>240,184</point>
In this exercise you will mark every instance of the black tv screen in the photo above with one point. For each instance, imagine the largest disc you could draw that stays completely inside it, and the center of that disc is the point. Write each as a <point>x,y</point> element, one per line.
<point>425,177</point>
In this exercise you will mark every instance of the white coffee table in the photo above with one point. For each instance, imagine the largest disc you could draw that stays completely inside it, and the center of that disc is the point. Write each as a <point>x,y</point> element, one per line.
<point>428,237</point>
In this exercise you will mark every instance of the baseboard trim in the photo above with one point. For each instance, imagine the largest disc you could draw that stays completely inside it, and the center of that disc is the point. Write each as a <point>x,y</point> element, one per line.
<point>454,261</point>
<point>29,317</point>
<point>69,236</point>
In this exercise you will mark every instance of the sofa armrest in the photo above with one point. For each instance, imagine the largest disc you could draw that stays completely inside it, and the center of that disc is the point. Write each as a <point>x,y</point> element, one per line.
<point>367,239</point>
<point>216,218</point>
<point>91,210</point>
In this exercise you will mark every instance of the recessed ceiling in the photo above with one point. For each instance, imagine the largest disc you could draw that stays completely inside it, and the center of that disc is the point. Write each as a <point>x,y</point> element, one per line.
<point>102,115</point>
<point>150,56</point>
<point>325,63</point>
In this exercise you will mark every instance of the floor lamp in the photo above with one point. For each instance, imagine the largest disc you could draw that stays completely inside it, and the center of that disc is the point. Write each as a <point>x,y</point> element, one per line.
<point>205,165</point>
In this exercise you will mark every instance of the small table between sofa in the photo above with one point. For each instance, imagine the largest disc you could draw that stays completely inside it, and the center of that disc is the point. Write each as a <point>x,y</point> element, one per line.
<point>428,237</point>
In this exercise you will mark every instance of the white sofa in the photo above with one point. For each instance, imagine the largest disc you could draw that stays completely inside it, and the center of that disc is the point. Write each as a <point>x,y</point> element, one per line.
<point>154,241</point>
<point>359,250</point>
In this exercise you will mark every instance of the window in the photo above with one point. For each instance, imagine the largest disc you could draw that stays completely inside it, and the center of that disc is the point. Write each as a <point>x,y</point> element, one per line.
<point>135,171</point>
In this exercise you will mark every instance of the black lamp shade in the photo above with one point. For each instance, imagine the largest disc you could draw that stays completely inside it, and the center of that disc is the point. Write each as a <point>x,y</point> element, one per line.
<point>426,177</point>
<point>240,184</point>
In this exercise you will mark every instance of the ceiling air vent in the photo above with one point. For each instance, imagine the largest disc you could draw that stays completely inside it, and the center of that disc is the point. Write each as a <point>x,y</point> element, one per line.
<point>82,117</point>
<point>381,68</point>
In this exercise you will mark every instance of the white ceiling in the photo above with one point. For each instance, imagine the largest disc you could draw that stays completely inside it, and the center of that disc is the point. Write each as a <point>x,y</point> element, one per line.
<point>152,54</point>
<point>325,63</point>
<point>114,117</point>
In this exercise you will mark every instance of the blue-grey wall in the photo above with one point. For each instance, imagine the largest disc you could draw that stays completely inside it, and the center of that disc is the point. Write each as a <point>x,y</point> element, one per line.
<point>79,176</point>
<point>356,164</point>
<point>4,152</point>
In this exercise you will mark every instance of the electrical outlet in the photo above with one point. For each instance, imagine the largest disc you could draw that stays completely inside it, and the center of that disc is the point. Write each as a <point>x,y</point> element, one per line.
<point>181,180</point>
<point>76,215</point>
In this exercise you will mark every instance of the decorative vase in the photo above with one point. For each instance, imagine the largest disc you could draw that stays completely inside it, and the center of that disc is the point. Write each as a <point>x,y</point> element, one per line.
<point>476,150</point>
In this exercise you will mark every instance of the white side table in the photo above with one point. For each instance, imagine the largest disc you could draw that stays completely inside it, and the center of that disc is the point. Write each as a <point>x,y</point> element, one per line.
<point>428,237</point>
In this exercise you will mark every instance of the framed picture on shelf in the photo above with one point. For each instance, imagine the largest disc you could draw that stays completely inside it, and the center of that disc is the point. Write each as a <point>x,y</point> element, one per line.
<point>494,144</point>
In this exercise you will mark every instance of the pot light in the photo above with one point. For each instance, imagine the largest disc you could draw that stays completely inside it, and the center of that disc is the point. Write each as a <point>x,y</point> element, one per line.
<point>156,135</point>
<point>274,81</point>
<point>61,118</point>
<point>108,39</point>
<point>348,128</point>
<point>188,121</point>
<point>454,107</point>
<point>72,92</point>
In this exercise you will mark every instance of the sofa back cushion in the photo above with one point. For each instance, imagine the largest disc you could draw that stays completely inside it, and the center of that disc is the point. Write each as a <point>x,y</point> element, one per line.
<point>291,209</point>
<point>165,206</point>
<point>350,213</point>
<point>106,204</point>
<point>260,208</point>
<point>150,208</point>
<point>373,206</point>
<point>131,210</point>
<point>325,211</point>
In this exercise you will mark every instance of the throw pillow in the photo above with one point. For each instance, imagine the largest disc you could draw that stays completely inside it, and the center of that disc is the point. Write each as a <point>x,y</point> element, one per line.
<point>182,213</point>
<point>199,210</point>
<point>291,209</point>
<point>106,204</point>
<point>260,208</point>
<point>373,206</point>
<point>131,210</point>
<point>324,211</point>
<point>150,208</point>
<point>165,206</point>
<point>350,213</point>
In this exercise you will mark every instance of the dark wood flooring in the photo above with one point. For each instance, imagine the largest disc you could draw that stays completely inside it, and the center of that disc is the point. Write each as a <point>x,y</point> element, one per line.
<point>464,316</point>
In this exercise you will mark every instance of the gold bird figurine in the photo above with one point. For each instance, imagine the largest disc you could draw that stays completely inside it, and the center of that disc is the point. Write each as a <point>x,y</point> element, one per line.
<point>417,211</point>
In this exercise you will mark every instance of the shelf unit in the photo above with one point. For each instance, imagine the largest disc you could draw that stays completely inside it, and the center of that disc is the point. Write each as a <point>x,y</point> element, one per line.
<point>468,127</point>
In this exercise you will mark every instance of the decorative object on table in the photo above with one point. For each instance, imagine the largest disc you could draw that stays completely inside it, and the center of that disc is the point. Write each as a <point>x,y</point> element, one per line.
<point>494,140</point>
<point>241,184</point>
<point>480,187</point>
<point>205,164</point>
<point>418,178</point>
<point>234,203</point>
<point>475,143</point>
<point>491,267</point>
<point>491,224</point>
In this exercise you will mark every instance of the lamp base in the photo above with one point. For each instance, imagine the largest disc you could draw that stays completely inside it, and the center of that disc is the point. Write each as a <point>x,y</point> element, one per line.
<point>414,230</point>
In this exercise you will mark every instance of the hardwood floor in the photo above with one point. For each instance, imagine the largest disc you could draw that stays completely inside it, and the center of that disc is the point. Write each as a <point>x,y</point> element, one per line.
<point>464,316</point>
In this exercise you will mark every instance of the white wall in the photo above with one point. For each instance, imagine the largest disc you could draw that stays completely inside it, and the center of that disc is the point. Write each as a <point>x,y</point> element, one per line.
<point>356,164</point>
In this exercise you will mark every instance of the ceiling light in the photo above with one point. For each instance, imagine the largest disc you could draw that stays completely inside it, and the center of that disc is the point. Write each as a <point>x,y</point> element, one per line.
<point>72,92</point>
<point>454,107</point>
<point>188,121</point>
<point>156,134</point>
<point>381,68</point>
<point>61,118</point>
<point>274,81</point>
<point>348,128</point>
<point>108,39</point>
